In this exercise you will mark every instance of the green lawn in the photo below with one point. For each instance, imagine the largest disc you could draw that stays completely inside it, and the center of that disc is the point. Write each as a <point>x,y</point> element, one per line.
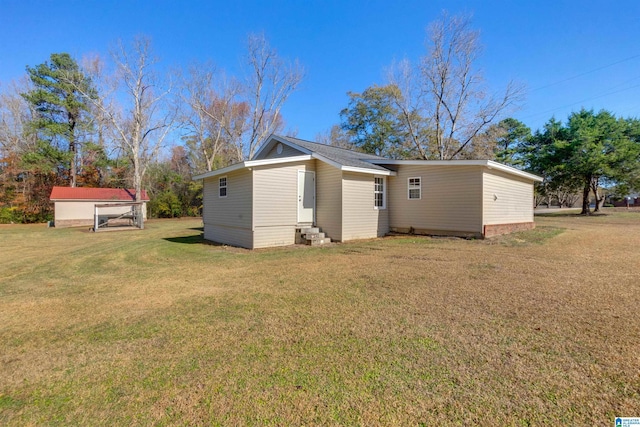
<point>156,327</point>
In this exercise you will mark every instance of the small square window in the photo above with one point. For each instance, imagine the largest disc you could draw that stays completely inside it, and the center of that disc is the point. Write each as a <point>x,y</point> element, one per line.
<point>222,187</point>
<point>414,188</point>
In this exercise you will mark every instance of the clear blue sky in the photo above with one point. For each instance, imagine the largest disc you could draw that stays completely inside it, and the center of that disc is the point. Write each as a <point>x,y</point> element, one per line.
<point>570,54</point>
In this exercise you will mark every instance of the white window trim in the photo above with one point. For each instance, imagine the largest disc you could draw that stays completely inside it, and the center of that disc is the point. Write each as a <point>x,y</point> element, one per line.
<point>409,188</point>
<point>226,187</point>
<point>384,193</point>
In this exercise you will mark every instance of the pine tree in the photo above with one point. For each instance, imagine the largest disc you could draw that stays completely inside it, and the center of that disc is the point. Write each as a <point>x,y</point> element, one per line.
<point>62,112</point>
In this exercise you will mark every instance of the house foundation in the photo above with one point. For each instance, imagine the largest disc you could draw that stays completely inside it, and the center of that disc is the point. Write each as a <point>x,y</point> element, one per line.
<point>491,230</point>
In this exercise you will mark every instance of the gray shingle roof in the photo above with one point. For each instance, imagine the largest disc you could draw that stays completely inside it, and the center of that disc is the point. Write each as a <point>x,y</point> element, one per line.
<point>339,155</point>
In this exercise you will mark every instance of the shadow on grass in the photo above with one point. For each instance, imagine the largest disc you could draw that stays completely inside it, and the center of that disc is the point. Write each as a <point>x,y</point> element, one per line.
<point>196,239</point>
<point>188,240</point>
<point>558,214</point>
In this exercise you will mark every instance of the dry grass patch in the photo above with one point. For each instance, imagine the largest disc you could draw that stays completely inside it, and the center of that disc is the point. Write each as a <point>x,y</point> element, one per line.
<point>156,327</point>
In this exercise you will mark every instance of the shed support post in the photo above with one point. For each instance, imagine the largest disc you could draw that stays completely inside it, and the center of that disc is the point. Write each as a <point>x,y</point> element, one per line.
<point>95,218</point>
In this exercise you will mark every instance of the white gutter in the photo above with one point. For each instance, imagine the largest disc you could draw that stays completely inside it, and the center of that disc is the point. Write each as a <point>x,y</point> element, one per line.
<point>485,163</point>
<point>371,171</point>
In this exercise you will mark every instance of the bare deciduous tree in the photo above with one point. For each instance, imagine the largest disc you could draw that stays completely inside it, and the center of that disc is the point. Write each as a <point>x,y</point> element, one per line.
<point>94,65</point>
<point>195,94</point>
<point>444,101</point>
<point>410,102</point>
<point>335,136</point>
<point>15,115</point>
<point>148,119</point>
<point>135,105</point>
<point>483,144</point>
<point>213,115</point>
<point>270,82</point>
<point>226,119</point>
<point>461,106</point>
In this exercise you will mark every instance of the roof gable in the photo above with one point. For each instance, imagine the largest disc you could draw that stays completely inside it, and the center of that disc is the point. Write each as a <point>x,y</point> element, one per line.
<point>339,157</point>
<point>271,148</point>
<point>98,194</point>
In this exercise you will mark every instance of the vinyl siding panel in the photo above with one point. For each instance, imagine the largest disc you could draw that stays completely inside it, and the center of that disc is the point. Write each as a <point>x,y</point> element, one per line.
<point>360,220</point>
<point>228,220</point>
<point>451,199</point>
<point>242,237</point>
<point>275,202</point>
<point>507,199</point>
<point>329,200</point>
<point>266,237</point>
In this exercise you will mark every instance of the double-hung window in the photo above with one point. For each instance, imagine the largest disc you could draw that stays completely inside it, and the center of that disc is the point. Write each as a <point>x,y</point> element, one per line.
<point>414,187</point>
<point>379,193</point>
<point>222,187</point>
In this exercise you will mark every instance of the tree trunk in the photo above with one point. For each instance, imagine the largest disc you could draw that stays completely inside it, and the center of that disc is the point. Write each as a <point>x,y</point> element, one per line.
<point>137,179</point>
<point>72,167</point>
<point>73,172</point>
<point>585,199</point>
<point>599,200</point>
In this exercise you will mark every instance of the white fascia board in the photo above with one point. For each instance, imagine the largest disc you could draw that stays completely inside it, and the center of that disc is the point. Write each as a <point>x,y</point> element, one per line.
<point>263,162</point>
<point>263,146</point>
<point>486,163</point>
<point>508,169</point>
<point>371,171</point>
<point>250,164</point>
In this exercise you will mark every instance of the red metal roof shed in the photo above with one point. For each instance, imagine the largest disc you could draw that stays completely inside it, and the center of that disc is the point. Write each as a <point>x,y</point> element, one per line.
<point>97,194</point>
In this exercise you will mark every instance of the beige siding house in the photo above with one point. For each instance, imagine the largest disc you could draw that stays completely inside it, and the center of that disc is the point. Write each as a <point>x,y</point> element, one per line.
<point>505,200</point>
<point>445,199</point>
<point>292,185</point>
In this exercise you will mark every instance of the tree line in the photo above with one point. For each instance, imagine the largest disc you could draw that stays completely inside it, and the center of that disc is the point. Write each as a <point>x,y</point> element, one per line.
<point>119,121</point>
<point>577,159</point>
<point>438,108</point>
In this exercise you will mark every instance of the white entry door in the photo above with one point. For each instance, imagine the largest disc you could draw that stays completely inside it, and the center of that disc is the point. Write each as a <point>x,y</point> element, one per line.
<point>306,197</point>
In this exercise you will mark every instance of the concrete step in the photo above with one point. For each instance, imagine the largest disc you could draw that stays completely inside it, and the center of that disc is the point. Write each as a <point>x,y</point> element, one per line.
<point>311,236</point>
<point>306,230</point>
<point>318,242</point>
